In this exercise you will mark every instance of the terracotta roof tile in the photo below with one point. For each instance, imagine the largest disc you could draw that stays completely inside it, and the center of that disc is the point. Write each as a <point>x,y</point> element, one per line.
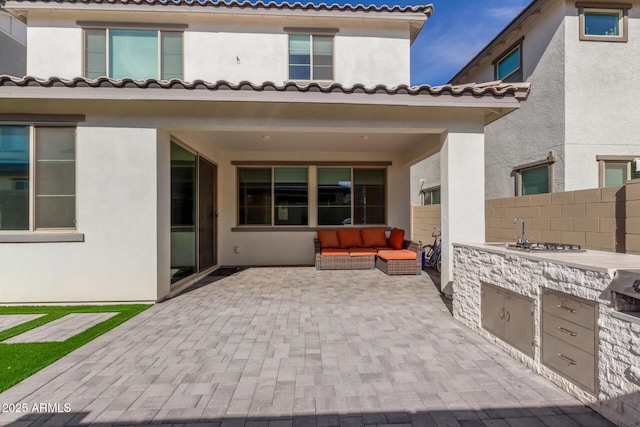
<point>495,89</point>
<point>260,4</point>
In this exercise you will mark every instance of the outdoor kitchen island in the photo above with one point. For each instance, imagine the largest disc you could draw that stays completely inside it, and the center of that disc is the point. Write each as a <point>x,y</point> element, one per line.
<point>555,312</point>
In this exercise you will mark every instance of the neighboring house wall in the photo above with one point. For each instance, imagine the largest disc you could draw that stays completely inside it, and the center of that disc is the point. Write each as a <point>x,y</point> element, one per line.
<point>632,208</point>
<point>240,48</point>
<point>13,51</point>
<point>602,99</point>
<point>582,104</point>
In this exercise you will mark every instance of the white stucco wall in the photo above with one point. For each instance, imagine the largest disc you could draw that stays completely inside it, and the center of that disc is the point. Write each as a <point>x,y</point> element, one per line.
<point>602,95</point>
<point>235,48</point>
<point>54,51</point>
<point>116,211</point>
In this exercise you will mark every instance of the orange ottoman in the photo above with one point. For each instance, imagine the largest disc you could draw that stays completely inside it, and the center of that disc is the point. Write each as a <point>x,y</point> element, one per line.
<point>401,261</point>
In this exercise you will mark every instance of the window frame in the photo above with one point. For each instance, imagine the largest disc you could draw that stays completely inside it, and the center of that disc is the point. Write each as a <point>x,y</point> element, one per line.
<point>273,201</point>
<point>312,32</point>
<point>107,26</point>
<point>428,192</point>
<point>621,9</point>
<point>548,162</point>
<point>15,236</point>
<point>604,160</point>
<point>352,204</point>
<point>518,71</point>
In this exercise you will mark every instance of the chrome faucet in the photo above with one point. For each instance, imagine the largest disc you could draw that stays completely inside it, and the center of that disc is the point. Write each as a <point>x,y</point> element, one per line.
<point>521,239</point>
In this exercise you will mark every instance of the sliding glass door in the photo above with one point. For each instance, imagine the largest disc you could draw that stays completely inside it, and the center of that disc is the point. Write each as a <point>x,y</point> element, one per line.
<point>193,213</point>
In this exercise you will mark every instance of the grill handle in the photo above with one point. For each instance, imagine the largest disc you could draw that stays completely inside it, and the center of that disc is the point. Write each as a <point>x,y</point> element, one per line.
<point>566,331</point>
<point>566,359</point>
<point>562,307</point>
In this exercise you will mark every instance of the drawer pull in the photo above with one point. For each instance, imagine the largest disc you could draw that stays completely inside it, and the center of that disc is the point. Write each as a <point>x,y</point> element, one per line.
<point>562,307</point>
<point>566,331</point>
<point>566,359</point>
<point>501,313</point>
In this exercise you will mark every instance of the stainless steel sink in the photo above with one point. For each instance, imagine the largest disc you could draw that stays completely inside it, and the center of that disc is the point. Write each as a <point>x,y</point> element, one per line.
<point>540,247</point>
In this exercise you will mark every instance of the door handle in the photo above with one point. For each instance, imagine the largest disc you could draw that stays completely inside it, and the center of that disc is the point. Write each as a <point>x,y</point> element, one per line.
<point>566,331</point>
<point>508,316</point>
<point>501,313</point>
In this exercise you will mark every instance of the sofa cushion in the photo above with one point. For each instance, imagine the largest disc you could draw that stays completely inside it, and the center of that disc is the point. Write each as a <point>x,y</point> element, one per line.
<point>362,252</point>
<point>372,237</point>
<point>396,238</point>
<point>334,252</point>
<point>328,238</point>
<point>349,238</point>
<point>384,248</point>
<point>402,254</point>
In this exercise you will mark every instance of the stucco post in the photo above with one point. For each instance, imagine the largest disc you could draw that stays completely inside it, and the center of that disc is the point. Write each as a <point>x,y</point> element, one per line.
<point>462,196</point>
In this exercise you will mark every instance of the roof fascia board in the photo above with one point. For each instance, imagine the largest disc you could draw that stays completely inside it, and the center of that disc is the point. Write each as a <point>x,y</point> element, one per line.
<point>152,94</point>
<point>534,7</point>
<point>335,14</point>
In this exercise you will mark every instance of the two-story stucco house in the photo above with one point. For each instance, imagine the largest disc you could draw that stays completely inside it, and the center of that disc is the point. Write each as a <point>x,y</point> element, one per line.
<point>154,141</point>
<point>579,129</point>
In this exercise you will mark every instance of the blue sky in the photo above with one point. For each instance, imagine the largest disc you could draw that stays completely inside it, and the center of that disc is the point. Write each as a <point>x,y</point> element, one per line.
<point>454,34</point>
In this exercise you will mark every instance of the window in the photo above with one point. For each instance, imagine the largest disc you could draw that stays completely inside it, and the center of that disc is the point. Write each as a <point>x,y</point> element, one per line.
<point>603,22</point>
<point>508,67</point>
<point>351,196</point>
<point>430,196</point>
<point>273,196</point>
<point>617,170</point>
<point>534,178</point>
<point>37,177</point>
<point>310,57</point>
<point>138,54</point>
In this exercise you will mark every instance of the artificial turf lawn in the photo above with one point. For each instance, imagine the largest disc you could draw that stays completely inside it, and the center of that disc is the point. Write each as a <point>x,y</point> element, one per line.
<point>18,361</point>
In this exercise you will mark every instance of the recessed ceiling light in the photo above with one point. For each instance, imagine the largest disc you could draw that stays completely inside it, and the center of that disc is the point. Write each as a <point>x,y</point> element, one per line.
<point>267,137</point>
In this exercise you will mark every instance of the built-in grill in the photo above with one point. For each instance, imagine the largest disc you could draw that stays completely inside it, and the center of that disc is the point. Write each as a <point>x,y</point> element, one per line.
<point>625,292</point>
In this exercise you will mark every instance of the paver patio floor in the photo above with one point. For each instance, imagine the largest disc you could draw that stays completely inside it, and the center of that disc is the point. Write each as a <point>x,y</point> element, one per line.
<point>293,346</point>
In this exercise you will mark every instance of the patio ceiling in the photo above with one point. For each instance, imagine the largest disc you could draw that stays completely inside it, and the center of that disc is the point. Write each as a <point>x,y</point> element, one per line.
<point>367,140</point>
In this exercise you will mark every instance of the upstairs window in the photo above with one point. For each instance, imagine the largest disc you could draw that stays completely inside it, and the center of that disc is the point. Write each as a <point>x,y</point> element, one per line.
<point>601,23</point>
<point>134,53</point>
<point>310,57</point>
<point>508,67</point>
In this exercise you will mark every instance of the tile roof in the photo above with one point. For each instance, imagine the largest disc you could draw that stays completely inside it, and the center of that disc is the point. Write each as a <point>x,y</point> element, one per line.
<point>495,89</point>
<point>260,4</point>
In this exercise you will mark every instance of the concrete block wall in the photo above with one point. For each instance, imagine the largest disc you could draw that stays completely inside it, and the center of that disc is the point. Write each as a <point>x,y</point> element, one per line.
<point>632,223</point>
<point>594,218</point>
<point>423,219</point>
<point>605,219</point>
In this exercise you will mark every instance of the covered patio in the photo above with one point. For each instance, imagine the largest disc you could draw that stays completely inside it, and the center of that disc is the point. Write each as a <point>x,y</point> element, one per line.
<point>292,347</point>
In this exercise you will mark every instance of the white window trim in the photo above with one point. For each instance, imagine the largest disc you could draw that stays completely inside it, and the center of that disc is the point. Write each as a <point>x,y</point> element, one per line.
<point>622,9</point>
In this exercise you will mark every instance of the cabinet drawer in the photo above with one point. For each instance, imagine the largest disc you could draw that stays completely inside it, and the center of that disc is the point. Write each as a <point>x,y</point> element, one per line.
<point>576,365</point>
<point>576,335</point>
<point>570,308</point>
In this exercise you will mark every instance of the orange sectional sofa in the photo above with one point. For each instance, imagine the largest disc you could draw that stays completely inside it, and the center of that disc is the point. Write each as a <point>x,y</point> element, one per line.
<point>367,248</point>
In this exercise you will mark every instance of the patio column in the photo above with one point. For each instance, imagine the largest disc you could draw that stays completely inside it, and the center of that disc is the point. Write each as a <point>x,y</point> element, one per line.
<point>462,196</point>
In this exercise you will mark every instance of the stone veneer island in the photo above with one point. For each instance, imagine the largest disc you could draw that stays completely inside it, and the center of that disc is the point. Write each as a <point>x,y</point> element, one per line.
<point>553,312</point>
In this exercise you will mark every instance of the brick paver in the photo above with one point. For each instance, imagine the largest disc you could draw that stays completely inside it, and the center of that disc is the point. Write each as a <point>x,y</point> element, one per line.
<point>278,347</point>
<point>8,321</point>
<point>61,329</point>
